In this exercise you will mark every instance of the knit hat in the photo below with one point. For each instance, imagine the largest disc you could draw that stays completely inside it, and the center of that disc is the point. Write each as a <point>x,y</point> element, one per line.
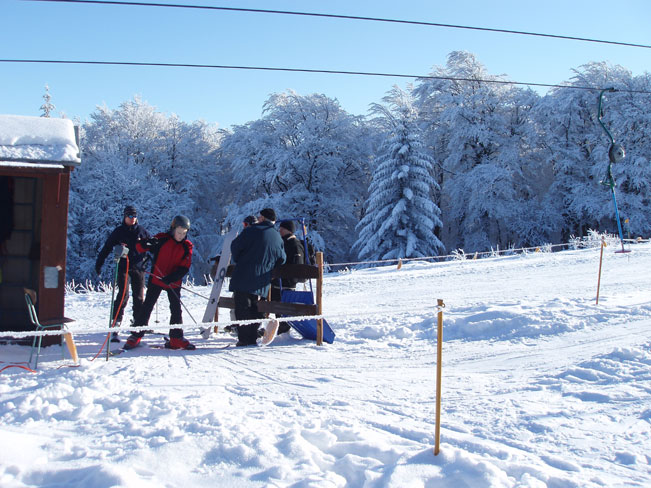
<point>269,214</point>
<point>289,225</point>
<point>130,210</point>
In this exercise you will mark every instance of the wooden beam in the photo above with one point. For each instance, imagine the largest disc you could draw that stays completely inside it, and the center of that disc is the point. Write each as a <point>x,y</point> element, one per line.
<point>287,309</point>
<point>319,299</point>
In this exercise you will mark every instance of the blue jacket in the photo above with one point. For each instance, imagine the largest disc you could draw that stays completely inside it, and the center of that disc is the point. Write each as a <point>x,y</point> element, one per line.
<point>256,252</point>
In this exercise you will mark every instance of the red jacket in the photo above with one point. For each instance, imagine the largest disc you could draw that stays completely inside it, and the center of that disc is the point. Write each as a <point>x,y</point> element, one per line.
<point>172,259</point>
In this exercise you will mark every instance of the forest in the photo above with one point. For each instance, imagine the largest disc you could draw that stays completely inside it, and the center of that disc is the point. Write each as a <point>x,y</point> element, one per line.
<point>459,160</point>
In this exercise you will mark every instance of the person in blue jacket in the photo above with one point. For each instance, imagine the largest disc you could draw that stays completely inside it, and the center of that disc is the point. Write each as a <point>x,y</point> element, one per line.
<point>256,252</point>
<point>126,234</point>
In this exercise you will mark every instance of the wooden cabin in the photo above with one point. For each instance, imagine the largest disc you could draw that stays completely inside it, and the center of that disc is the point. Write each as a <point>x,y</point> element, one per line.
<point>37,155</point>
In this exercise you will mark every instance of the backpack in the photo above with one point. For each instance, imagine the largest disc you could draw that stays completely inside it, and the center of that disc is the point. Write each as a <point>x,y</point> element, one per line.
<point>310,258</point>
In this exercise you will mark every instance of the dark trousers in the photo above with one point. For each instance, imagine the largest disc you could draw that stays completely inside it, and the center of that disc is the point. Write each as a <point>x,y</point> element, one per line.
<point>153,292</point>
<point>137,279</point>
<point>276,296</point>
<point>246,308</point>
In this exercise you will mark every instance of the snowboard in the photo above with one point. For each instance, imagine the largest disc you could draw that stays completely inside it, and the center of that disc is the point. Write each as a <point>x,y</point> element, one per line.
<point>270,332</point>
<point>210,315</point>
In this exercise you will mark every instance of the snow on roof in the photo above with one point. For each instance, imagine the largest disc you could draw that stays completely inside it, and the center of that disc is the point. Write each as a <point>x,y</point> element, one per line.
<point>37,139</point>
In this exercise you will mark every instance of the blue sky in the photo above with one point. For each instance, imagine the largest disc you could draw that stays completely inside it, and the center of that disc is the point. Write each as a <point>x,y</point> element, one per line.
<point>35,30</point>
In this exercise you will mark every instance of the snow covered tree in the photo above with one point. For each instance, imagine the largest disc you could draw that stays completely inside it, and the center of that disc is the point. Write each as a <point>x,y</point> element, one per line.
<point>47,107</point>
<point>306,157</point>
<point>475,125</point>
<point>627,115</point>
<point>136,155</point>
<point>400,214</point>
<point>576,148</point>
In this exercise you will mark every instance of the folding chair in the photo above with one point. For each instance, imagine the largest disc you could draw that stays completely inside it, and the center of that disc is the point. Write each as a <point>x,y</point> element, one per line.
<point>30,299</point>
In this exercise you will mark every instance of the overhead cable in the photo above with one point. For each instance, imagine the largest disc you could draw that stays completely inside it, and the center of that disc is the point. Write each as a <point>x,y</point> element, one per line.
<point>348,17</point>
<point>305,70</point>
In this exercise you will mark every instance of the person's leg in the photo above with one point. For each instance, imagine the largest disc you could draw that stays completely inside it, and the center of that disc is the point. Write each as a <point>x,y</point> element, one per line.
<point>122,297</point>
<point>142,319</point>
<point>174,297</point>
<point>283,327</point>
<point>177,341</point>
<point>137,290</point>
<point>246,309</point>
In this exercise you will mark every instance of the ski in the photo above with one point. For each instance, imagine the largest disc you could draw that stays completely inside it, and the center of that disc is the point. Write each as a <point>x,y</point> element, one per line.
<point>210,315</point>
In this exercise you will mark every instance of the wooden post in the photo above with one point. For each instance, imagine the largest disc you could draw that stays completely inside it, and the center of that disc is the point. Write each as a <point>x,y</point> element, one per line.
<point>439,351</point>
<point>72,348</point>
<point>319,299</point>
<point>601,258</point>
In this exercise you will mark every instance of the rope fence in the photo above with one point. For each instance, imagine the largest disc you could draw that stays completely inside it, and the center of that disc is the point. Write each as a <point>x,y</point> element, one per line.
<point>460,255</point>
<point>357,314</point>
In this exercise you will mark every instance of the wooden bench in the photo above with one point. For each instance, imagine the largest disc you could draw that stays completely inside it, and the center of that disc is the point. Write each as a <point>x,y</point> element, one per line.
<point>294,271</point>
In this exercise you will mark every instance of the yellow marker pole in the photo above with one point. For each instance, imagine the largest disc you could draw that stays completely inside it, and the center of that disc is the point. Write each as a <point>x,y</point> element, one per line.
<point>601,258</point>
<point>72,348</point>
<point>439,352</point>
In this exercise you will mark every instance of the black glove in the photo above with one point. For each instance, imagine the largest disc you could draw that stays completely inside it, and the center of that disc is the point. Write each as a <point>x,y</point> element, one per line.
<point>168,279</point>
<point>148,243</point>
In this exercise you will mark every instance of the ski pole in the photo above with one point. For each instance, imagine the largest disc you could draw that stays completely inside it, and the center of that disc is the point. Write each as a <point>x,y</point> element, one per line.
<point>118,253</point>
<point>180,286</point>
<point>183,304</point>
<point>177,295</point>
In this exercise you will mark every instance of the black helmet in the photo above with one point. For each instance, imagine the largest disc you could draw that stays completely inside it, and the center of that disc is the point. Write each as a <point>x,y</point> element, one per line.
<point>180,221</point>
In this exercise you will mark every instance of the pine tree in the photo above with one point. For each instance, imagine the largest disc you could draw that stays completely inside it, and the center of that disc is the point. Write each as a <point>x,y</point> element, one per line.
<point>401,215</point>
<point>47,107</point>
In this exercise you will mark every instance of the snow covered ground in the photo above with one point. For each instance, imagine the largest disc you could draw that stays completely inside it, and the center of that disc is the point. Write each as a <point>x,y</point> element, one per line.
<point>541,387</point>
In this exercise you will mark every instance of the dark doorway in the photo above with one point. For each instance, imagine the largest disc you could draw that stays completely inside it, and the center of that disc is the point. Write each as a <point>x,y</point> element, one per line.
<point>20,244</point>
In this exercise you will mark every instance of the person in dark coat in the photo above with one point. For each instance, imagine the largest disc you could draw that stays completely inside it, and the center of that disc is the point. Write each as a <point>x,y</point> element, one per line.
<point>256,252</point>
<point>172,253</point>
<point>126,234</point>
<point>248,220</point>
<point>295,255</point>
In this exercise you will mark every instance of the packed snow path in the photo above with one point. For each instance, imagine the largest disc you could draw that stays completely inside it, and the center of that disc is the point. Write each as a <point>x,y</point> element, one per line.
<point>541,387</point>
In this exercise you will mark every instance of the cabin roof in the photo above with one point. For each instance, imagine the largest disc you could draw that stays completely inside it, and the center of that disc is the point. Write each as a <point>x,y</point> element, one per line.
<point>38,141</point>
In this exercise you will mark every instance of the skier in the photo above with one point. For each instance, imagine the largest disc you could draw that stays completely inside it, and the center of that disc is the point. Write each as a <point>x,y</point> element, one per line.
<point>172,253</point>
<point>256,252</point>
<point>126,234</point>
<point>295,255</point>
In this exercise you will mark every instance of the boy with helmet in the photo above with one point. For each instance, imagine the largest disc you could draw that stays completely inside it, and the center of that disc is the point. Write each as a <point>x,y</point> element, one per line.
<point>172,252</point>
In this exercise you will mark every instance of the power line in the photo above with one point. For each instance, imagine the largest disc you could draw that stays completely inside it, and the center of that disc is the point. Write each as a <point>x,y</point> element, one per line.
<point>304,70</point>
<point>348,17</point>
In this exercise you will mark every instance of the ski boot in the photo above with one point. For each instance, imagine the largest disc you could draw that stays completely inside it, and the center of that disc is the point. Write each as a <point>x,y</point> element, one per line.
<point>179,343</point>
<point>132,341</point>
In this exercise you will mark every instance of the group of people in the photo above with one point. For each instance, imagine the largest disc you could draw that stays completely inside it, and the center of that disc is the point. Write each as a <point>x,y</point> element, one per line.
<point>256,251</point>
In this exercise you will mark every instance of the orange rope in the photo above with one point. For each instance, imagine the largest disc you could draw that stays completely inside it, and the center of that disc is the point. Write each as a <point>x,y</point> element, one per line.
<point>17,366</point>
<point>115,318</point>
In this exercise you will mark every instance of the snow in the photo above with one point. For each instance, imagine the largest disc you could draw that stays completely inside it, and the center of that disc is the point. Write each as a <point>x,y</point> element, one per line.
<point>541,388</point>
<point>37,139</point>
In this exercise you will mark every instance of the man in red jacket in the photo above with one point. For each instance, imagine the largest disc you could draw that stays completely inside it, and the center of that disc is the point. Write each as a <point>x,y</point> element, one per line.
<point>172,253</point>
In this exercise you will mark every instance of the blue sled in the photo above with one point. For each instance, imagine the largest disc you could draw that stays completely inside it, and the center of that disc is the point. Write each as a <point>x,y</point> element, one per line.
<point>307,328</point>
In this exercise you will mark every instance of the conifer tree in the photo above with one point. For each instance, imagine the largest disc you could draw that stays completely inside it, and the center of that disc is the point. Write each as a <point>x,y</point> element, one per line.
<point>47,107</point>
<point>401,215</point>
